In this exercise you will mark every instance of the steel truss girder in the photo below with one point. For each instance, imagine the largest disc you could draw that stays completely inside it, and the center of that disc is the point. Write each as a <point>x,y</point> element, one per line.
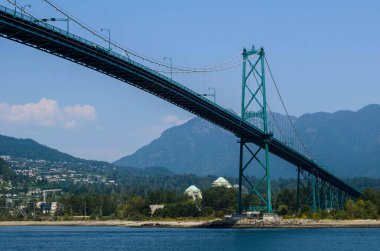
<point>318,193</point>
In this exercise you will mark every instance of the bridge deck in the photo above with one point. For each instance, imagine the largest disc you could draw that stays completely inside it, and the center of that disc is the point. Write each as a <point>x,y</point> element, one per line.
<point>45,37</point>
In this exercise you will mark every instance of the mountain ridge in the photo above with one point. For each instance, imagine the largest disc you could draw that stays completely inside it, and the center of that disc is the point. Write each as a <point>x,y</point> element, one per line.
<point>31,149</point>
<point>347,142</point>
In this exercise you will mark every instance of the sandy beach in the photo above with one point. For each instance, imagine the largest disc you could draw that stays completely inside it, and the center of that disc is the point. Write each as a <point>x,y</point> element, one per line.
<point>107,223</point>
<point>245,223</point>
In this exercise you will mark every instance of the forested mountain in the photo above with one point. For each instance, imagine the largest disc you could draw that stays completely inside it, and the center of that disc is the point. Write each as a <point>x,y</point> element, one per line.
<point>195,147</point>
<point>346,142</point>
<point>30,149</point>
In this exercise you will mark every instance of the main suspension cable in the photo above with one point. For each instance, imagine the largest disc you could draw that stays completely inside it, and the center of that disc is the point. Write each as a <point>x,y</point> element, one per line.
<point>270,111</point>
<point>21,9</point>
<point>283,105</point>
<point>145,58</point>
<point>204,71</point>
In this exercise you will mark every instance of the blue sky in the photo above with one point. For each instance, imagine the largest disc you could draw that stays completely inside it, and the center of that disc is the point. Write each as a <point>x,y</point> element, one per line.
<point>325,56</point>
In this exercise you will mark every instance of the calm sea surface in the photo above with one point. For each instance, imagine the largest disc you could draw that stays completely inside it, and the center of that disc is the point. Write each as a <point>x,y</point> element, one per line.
<point>120,238</point>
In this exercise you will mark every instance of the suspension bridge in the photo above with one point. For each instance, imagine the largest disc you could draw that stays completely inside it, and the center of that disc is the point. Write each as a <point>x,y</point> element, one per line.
<point>259,132</point>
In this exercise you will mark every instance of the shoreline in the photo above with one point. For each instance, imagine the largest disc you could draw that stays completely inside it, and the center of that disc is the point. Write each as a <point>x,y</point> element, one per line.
<point>302,223</point>
<point>114,223</point>
<point>245,223</point>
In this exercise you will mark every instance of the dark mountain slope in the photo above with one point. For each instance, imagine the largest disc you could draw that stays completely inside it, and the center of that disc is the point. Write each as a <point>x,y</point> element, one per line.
<point>346,142</point>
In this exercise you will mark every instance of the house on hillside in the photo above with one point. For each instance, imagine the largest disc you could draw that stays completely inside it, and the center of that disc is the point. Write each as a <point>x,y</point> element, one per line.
<point>221,182</point>
<point>193,192</point>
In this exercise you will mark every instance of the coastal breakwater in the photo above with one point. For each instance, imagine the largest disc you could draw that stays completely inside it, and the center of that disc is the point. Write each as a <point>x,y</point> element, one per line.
<point>294,223</point>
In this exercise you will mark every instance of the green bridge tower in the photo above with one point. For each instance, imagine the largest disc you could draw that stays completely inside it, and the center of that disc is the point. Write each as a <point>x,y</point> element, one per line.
<point>254,110</point>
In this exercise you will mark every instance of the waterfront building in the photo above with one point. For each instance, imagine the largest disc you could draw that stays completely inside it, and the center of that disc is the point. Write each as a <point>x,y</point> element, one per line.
<point>193,192</point>
<point>221,182</point>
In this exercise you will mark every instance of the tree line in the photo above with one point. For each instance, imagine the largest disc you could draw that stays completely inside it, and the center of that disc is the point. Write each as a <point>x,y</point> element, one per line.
<point>216,202</point>
<point>141,188</point>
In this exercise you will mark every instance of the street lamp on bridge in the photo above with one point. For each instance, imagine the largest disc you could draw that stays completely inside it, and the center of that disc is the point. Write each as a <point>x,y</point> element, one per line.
<point>213,94</point>
<point>171,65</point>
<point>54,19</point>
<point>24,7</point>
<point>109,37</point>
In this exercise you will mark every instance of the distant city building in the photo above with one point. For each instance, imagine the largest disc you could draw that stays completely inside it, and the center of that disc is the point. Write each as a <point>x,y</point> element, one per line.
<point>46,207</point>
<point>5,157</point>
<point>221,182</point>
<point>193,192</point>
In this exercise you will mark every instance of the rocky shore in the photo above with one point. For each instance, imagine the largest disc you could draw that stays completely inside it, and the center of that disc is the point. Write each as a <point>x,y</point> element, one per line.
<point>244,223</point>
<point>295,223</point>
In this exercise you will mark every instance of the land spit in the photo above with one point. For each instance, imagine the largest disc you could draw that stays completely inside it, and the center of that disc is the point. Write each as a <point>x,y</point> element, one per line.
<point>244,223</point>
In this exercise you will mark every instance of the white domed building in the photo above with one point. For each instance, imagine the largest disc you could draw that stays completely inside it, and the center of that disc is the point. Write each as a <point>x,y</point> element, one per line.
<point>194,192</point>
<point>221,182</point>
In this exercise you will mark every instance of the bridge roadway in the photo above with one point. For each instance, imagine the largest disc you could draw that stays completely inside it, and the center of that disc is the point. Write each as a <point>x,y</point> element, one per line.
<point>32,32</point>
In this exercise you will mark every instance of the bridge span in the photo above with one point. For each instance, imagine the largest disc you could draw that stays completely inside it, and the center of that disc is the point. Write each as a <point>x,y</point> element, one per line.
<point>32,32</point>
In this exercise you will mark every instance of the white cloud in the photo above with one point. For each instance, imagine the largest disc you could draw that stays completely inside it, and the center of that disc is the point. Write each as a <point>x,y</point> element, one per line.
<point>70,124</point>
<point>173,120</point>
<point>81,111</point>
<point>97,153</point>
<point>167,121</point>
<point>46,113</point>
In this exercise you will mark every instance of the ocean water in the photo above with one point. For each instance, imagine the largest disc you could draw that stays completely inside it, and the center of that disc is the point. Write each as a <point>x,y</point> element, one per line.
<point>122,238</point>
